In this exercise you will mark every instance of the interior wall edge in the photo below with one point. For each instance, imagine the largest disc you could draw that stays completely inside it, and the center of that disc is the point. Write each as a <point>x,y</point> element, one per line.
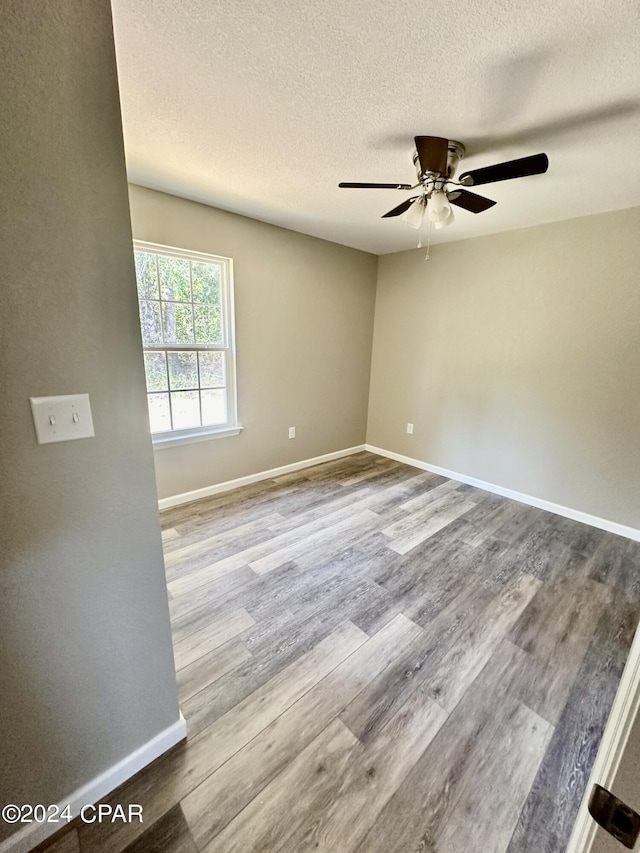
<point>540,503</point>
<point>228,485</point>
<point>99,787</point>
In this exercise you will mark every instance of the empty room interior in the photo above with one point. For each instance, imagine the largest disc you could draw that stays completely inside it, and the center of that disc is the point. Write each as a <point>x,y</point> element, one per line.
<point>321,447</point>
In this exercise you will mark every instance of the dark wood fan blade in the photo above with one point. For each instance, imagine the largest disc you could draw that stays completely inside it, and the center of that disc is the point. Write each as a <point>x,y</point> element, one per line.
<point>432,153</point>
<point>472,202</point>
<point>522,168</point>
<point>353,186</point>
<point>400,208</point>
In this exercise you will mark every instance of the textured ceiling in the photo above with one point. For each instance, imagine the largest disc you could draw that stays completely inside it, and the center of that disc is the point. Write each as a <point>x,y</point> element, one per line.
<point>261,108</point>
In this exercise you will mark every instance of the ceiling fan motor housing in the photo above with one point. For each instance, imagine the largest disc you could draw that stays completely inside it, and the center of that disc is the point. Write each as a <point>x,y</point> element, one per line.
<point>455,153</point>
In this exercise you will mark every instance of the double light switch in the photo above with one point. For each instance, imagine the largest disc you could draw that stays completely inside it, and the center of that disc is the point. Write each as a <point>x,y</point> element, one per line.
<point>62,418</point>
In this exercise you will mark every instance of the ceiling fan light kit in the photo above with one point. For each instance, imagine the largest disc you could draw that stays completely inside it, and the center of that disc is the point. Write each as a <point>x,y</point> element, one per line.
<point>414,215</point>
<point>439,207</point>
<point>436,160</point>
<point>445,222</point>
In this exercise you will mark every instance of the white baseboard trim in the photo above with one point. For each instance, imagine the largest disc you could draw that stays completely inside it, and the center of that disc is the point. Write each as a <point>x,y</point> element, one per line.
<point>208,491</point>
<point>540,503</point>
<point>98,788</point>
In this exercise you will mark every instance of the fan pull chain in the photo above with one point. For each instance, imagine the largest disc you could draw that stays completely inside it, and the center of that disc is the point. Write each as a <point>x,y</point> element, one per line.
<point>426,257</point>
<point>421,233</point>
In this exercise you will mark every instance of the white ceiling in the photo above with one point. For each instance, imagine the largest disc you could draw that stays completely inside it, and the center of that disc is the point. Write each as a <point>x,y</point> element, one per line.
<point>261,108</point>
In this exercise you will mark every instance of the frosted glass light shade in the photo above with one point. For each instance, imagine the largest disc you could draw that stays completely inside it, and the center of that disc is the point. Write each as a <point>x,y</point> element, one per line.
<point>445,222</point>
<point>439,207</point>
<point>415,214</point>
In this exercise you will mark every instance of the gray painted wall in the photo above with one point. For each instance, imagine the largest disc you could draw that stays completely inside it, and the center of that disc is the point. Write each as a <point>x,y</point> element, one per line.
<point>86,661</point>
<point>516,357</point>
<point>304,326</point>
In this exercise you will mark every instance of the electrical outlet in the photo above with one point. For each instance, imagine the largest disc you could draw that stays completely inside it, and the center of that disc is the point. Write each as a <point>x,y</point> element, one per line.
<point>410,429</point>
<point>292,432</point>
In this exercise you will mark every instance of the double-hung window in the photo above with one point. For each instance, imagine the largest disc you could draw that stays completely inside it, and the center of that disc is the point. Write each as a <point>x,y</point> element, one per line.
<point>186,316</point>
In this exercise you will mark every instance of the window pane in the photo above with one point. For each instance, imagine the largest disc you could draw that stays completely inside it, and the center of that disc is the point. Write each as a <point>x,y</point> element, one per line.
<point>174,279</point>
<point>159,415</point>
<point>183,370</point>
<point>214,407</point>
<point>155,368</point>
<point>150,322</point>
<point>208,323</point>
<point>206,282</point>
<point>211,369</point>
<point>185,407</point>
<point>177,323</point>
<point>146,275</point>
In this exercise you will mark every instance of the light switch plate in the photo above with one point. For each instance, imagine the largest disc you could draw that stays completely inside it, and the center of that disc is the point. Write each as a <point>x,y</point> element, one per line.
<point>63,418</point>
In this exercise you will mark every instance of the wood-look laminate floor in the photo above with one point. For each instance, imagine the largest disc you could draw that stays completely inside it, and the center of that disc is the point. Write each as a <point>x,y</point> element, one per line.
<point>374,659</point>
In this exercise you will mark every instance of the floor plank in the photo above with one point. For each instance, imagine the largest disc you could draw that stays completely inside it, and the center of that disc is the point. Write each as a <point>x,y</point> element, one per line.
<point>370,711</point>
<point>371,779</point>
<point>208,668</point>
<point>375,658</point>
<point>509,763</point>
<point>66,841</point>
<point>164,784</point>
<point>555,632</point>
<point>214,803</point>
<point>547,818</point>
<point>417,526</point>
<point>418,814</point>
<point>269,821</point>
<point>170,834</point>
<point>460,666</point>
<point>210,637</point>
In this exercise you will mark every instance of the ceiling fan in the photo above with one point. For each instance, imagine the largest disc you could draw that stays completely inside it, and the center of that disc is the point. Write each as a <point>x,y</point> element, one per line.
<point>436,160</point>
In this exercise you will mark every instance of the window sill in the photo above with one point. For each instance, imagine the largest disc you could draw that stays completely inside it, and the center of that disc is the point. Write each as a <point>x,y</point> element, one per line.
<point>165,440</point>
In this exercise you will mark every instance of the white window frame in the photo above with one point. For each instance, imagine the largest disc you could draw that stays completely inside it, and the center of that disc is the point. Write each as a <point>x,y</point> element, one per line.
<point>170,438</point>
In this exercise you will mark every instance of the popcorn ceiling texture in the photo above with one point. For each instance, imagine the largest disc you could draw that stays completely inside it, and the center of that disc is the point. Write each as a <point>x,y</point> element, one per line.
<point>261,108</point>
